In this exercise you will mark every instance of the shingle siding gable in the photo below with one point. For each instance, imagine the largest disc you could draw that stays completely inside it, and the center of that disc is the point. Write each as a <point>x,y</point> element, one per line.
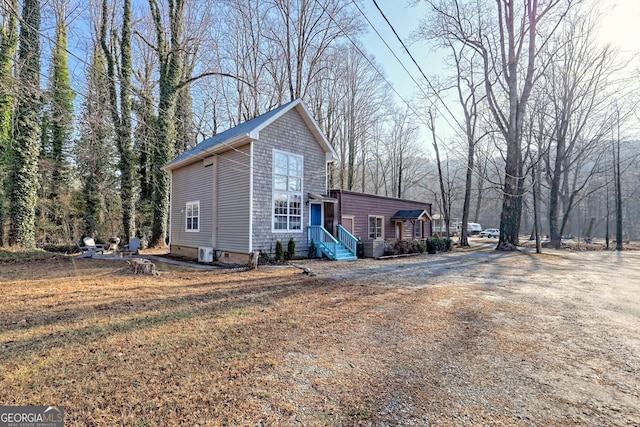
<point>292,135</point>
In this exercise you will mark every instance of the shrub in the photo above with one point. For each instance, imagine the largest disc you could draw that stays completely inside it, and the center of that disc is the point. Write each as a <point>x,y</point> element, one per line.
<point>405,246</point>
<point>264,258</point>
<point>420,246</point>
<point>400,247</point>
<point>431,245</point>
<point>312,250</point>
<point>447,244</point>
<point>436,244</point>
<point>279,251</point>
<point>291,248</point>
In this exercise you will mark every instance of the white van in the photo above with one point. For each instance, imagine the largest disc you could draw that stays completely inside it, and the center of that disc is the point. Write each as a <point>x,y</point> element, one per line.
<point>473,228</point>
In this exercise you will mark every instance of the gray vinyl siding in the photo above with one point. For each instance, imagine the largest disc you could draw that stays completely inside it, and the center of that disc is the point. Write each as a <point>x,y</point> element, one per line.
<point>192,183</point>
<point>234,233</point>
<point>292,135</point>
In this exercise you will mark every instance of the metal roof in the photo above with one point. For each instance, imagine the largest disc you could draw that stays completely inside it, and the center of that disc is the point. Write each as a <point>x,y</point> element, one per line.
<point>415,214</point>
<point>250,130</point>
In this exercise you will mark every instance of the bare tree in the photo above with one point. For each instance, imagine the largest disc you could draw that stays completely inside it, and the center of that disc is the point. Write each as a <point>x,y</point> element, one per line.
<point>470,96</point>
<point>355,105</point>
<point>577,86</point>
<point>245,51</point>
<point>307,29</point>
<point>508,36</point>
<point>444,193</point>
<point>401,149</point>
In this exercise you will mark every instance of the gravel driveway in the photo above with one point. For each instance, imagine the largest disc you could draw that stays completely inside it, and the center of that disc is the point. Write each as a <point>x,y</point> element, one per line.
<point>481,337</point>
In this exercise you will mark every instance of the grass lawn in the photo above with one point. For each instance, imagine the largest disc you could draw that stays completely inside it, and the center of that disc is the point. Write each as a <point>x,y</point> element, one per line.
<point>186,348</point>
<point>119,349</point>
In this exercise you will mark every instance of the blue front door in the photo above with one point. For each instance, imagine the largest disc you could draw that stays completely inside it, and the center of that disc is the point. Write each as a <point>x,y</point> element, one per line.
<point>316,214</point>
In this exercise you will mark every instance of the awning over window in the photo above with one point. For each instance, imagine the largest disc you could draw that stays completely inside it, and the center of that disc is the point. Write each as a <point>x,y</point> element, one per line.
<point>411,215</point>
<point>322,198</point>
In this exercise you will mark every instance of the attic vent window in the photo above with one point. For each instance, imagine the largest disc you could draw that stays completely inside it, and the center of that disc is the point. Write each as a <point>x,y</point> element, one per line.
<point>287,191</point>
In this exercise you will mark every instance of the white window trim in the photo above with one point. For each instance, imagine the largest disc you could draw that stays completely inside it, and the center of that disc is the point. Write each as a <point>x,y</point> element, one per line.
<point>381,226</point>
<point>274,191</point>
<point>186,223</point>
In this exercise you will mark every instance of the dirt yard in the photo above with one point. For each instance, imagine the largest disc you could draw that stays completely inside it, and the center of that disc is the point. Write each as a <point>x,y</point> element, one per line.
<point>467,338</point>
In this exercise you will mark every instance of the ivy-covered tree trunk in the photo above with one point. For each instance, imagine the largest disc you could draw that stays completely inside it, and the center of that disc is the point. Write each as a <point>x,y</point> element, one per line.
<point>186,133</point>
<point>8,46</point>
<point>170,58</point>
<point>145,138</point>
<point>122,118</point>
<point>61,98</point>
<point>26,137</point>
<point>54,203</point>
<point>94,150</point>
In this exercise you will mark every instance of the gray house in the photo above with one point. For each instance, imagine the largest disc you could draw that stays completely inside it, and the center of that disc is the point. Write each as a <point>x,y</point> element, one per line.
<point>243,189</point>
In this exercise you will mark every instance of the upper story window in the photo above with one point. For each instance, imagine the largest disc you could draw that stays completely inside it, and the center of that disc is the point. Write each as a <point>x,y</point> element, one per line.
<point>376,230</point>
<point>193,216</point>
<point>287,191</point>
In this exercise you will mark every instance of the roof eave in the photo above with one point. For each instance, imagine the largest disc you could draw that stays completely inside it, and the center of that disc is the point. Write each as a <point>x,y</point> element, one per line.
<point>218,148</point>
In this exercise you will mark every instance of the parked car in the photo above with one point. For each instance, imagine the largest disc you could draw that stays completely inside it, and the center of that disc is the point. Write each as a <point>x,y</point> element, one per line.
<point>490,232</point>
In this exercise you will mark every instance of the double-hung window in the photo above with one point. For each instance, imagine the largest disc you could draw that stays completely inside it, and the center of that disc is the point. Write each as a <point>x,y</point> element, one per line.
<point>193,216</point>
<point>376,230</point>
<point>287,191</point>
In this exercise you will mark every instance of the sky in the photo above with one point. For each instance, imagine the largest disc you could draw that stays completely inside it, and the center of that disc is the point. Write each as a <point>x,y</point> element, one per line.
<point>620,26</point>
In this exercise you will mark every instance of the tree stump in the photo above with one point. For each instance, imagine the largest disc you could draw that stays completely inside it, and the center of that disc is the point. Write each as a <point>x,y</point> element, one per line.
<point>253,260</point>
<point>143,266</point>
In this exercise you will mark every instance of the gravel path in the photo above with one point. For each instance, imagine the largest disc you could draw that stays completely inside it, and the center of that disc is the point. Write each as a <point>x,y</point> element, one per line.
<point>489,338</point>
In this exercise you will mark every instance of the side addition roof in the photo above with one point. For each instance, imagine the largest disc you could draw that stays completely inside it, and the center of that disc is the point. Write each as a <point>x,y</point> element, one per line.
<point>250,130</point>
<point>416,214</point>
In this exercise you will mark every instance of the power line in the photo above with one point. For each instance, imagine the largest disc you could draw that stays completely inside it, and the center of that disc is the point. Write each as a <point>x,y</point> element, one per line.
<point>376,69</point>
<point>431,86</point>
<point>366,57</point>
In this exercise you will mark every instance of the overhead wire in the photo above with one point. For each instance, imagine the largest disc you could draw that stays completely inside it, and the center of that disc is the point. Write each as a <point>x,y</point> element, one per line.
<point>368,59</point>
<point>436,93</point>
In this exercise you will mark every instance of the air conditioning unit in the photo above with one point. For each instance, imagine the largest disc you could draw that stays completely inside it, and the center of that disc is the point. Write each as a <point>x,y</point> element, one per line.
<point>205,254</point>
